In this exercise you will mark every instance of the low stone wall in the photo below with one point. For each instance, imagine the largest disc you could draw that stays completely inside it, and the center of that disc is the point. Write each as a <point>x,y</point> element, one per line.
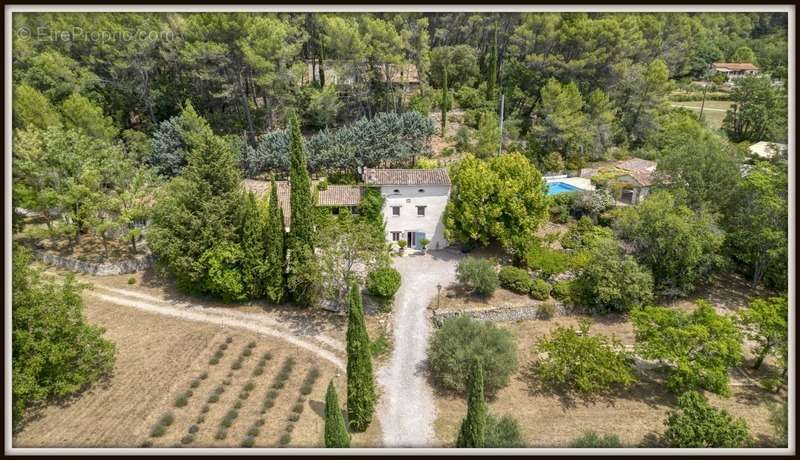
<point>498,314</point>
<point>98,269</point>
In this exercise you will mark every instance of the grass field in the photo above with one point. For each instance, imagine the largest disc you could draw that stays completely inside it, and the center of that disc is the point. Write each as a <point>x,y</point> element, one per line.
<point>160,359</point>
<point>713,111</point>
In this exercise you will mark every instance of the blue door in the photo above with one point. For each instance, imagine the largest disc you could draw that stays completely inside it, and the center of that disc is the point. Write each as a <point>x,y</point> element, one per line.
<point>418,240</point>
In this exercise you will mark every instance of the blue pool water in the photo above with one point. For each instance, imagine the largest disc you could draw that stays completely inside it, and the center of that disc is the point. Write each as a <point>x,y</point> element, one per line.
<point>554,188</point>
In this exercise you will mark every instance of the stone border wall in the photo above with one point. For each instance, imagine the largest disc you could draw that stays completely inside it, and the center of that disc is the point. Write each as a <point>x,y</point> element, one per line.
<point>498,314</point>
<point>97,269</point>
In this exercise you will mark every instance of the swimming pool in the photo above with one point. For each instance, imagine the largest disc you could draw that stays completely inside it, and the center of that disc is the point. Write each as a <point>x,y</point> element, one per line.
<point>554,188</point>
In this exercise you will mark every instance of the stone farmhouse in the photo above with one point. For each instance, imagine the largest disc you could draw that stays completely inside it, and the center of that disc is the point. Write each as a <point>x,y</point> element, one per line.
<point>414,202</point>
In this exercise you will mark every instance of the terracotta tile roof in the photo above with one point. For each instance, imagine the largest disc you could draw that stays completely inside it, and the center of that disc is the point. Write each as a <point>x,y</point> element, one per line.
<point>334,195</point>
<point>339,195</point>
<point>640,170</point>
<point>735,66</point>
<point>643,178</point>
<point>406,176</point>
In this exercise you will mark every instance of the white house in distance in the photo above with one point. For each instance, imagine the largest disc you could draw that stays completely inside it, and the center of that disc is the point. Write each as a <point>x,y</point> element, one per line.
<point>414,204</point>
<point>733,70</point>
<point>767,150</point>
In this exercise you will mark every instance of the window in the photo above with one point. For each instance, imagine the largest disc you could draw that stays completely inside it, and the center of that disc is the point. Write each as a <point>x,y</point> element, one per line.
<point>397,236</point>
<point>397,190</point>
<point>422,190</point>
<point>335,211</point>
<point>420,210</point>
<point>395,210</point>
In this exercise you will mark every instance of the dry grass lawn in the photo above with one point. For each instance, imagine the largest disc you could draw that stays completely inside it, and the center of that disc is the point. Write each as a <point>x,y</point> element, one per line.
<point>157,359</point>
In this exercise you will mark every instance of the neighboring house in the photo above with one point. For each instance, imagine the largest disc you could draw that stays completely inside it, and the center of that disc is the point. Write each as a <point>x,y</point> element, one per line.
<point>637,180</point>
<point>767,150</point>
<point>734,71</point>
<point>414,204</point>
<point>346,73</point>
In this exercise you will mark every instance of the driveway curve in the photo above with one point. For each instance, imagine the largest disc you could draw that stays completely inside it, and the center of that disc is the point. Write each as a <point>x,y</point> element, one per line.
<point>407,409</point>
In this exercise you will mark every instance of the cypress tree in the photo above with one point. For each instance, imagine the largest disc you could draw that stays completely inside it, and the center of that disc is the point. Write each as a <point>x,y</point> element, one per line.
<point>360,381</point>
<point>302,279</point>
<point>251,241</point>
<point>473,428</point>
<point>275,251</point>
<point>490,84</point>
<point>445,101</point>
<point>336,434</point>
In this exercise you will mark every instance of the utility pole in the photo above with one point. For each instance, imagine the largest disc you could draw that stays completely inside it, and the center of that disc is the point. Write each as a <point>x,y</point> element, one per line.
<point>502,106</point>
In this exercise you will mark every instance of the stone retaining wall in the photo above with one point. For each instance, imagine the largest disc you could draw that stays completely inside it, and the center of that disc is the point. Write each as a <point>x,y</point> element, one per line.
<point>98,269</point>
<point>498,314</point>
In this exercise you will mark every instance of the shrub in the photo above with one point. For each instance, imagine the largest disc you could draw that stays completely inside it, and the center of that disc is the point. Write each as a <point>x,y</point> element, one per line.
<point>200,419</point>
<point>249,441</point>
<point>289,428</point>
<point>237,404</point>
<point>195,383</point>
<point>260,422</point>
<point>219,354</point>
<point>268,404</point>
<point>131,280</point>
<point>226,382</point>
<point>236,365</point>
<point>502,432</point>
<point>313,375</point>
<point>562,290</point>
<point>188,439</point>
<point>228,339</point>
<point>306,388</point>
<point>249,386</point>
<point>540,289</point>
<point>383,282</point>
<point>232,414</point>
<point>203,376</point>
<point>213,361</point>
<point>285,439</point>
<point>272,394</point>
<point>221,434</point>
<point>246,352</point>
<point>612,281</point>
<point>278,384</point>
<point>166,419</point>
<point>253,431</point>
<point>459,342</point>
<point>181,400</point>
<point>213,398</point>
<point>223,346</point>
<point>548,261</point>
<point>205,409</point>
<point>546,310</point>
<point>293,417</point>
<point>219,389</point>
<point>697,424</point>
<point>226,422</point>
<point>258,371</point>
<point>266,356</point>
<point>478,275</point>
<point>590,439</point>
<point>158,431</point>
<point>515,279</point>
<point>579,362</point>
<point>379,346</point>
<point>298,408</point>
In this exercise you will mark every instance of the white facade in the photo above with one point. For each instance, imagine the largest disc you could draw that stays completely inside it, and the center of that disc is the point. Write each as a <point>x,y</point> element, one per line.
<point>405,220</point>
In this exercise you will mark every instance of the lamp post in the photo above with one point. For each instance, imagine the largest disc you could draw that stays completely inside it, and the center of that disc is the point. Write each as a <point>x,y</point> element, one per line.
<point>438,294</point>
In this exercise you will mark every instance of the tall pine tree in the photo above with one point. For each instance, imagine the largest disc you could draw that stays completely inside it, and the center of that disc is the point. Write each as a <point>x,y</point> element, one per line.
<point>473,428</point>
<point>275,251</point>
<point>303,275</point>
<point>445,103</point>
<point>360,380</point>
<point>491,82</point>
<point>336,434</point>
<point>251,241</point>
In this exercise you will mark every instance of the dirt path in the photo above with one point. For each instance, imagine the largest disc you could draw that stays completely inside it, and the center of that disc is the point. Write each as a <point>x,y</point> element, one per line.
<point>407,409</point>
<point>325,347</point>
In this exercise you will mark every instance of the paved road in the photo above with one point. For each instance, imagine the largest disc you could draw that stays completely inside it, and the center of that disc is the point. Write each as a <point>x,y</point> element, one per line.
<point>407,409</point>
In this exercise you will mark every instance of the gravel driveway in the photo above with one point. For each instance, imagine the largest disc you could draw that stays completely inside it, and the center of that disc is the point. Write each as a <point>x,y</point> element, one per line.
<point>407,410</point>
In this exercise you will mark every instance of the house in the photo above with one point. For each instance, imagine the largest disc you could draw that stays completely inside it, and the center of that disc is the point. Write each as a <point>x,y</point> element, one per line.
<point>734,71</point>
<point>413,209</point>
<point>636,180</point>
<point>414,204</point>
<point>347,73</point>
<point>767,150</point>
<point>332,196</point>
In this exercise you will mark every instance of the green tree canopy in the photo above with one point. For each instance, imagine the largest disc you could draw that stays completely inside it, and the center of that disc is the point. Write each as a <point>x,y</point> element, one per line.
<point>695,424</point>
